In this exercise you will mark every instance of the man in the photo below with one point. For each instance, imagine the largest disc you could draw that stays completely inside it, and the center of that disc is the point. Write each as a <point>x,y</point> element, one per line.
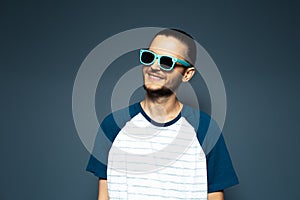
<point>154,149</point>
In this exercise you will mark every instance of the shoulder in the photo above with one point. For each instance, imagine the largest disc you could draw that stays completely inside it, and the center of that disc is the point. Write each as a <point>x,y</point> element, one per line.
<point>196,116</point>
<point>202,122</point>
<point>117,119</point>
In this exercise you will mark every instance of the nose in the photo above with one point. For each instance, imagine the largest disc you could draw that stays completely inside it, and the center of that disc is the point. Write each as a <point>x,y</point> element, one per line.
<point>155,66</point>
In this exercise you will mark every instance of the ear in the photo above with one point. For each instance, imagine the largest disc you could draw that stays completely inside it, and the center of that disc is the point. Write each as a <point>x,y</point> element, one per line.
<point>188,74</point>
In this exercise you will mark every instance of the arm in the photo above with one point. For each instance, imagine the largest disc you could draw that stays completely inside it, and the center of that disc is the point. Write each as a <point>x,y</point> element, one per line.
<point>216,196</point>
<point>103,191</point>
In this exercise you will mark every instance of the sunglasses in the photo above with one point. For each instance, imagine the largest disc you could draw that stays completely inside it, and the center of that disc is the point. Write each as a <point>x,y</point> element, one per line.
<point>166,63</point>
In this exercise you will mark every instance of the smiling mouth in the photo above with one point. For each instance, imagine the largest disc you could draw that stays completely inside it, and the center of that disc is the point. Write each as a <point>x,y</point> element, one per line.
<point>152,76</point>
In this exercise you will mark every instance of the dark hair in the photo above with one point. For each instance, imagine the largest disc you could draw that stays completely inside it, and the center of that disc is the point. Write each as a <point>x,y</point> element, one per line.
<point>183,37</point>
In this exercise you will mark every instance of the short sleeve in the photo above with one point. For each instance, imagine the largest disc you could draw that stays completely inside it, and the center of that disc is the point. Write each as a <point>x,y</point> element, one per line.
<point>107,132</point>
<point>220,171</point>
<point>97,163</point>
<point>97,168</point>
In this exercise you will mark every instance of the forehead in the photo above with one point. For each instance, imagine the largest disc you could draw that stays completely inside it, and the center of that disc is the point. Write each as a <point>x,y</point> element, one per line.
<point>169,45</point>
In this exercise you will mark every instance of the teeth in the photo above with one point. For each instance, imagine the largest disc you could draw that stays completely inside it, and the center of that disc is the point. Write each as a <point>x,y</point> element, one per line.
<point>155,77</point>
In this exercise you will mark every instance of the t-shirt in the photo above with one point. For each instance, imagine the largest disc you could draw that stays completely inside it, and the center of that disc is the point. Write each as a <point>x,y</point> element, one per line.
<point>185,158</point>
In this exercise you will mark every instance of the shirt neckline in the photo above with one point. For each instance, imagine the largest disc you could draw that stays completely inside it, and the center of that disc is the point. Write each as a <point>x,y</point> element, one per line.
<point>169,123</point>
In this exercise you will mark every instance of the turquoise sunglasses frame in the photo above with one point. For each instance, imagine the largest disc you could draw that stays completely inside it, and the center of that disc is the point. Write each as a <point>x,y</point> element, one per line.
<point>156,56</point>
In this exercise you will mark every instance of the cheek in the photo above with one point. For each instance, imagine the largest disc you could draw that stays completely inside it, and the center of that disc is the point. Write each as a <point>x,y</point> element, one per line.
<point>180,71</point>
<point>174,81</point>
<point>177,76</point>
<point>145,70</point>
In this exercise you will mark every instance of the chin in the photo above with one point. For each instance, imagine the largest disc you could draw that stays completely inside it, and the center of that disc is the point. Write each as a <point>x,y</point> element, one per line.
<point>158,92</point>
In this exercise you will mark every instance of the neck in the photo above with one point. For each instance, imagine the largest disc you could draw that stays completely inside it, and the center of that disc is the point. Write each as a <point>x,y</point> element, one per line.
<point>162,109</point>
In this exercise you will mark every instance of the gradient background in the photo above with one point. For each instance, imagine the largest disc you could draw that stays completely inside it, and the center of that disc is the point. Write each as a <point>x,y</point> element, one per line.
<point>43,43</point>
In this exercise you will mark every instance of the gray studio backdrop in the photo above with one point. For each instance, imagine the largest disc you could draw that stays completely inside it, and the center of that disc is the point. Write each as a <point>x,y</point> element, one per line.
<point>255,45</point>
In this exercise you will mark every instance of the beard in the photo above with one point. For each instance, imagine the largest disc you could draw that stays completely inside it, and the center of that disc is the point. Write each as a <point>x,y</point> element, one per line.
<point>162,92</point>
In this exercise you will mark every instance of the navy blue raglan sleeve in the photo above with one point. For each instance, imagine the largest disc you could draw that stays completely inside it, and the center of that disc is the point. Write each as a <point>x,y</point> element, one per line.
<point>220,171</point>
<point>107,132</point>
<point>98,159</point>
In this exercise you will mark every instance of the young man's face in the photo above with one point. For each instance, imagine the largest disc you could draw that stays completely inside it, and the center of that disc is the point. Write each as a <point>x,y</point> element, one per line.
<point>158,80</point>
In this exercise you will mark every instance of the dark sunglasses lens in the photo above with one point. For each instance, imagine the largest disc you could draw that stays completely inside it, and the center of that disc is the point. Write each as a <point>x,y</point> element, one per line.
<point>147,57</point>
<point>166,62</point>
